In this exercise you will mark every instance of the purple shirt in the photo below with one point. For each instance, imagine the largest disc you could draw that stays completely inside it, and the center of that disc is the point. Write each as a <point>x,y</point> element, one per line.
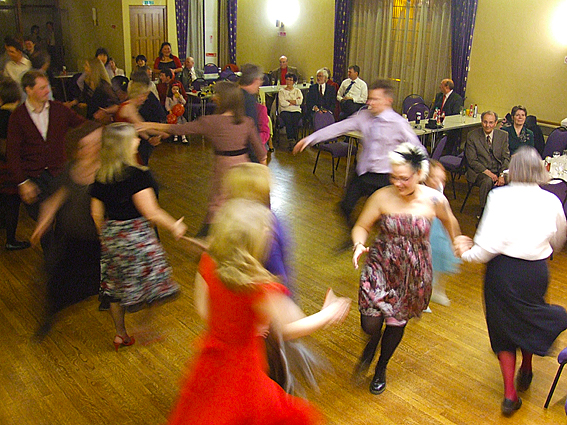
<point>380,135</point>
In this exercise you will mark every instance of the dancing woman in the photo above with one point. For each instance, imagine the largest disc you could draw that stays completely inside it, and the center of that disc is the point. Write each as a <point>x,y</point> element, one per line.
<point>134,269</point>
<point>236,295</point>
<point>520,228</point>
<point>395,283</point>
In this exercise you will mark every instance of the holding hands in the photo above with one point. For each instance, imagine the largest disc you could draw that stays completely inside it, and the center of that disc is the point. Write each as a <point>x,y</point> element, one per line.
<point>462,244</point>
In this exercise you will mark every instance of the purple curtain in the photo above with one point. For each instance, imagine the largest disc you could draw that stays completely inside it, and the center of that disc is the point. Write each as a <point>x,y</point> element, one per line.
<point>231,9</point>
<point>342,18</point>
<point>463,15</point>
<point>181,13</point>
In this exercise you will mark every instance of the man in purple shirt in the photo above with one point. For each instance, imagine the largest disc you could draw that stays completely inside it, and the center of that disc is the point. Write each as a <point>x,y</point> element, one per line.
<point>382,131</point>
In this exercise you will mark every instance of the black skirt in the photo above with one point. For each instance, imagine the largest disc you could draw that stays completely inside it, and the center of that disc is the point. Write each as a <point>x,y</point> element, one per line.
<point>517,315</point>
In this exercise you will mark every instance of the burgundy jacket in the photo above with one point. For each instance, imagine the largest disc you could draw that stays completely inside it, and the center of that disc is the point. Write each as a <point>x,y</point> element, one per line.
<point>26,151</point>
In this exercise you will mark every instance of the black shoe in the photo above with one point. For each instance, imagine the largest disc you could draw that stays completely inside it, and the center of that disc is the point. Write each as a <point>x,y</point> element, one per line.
<point>17,245</point>
<point>524,380</point>
<point>378,384</point>
<point>509,406</point>
<point>271,149</point>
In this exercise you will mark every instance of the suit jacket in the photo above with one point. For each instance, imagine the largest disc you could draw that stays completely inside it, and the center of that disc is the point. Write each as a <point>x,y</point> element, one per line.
<point>477,152</point>
<point>327,101</point>
<point>452,105</point>
<point>27,153</point>
<point>276,74</point>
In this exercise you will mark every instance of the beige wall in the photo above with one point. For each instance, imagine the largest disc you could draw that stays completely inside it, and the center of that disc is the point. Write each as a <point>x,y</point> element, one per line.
<point>308,43</point>
<point>515,59</point>
<point>81,38</point>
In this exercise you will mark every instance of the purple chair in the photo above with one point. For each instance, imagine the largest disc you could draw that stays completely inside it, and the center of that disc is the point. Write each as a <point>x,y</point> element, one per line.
<point>438,151</point>
<point>556,142</point>
<point>336,149</point>
<point>418,107</point>
<point>411,100</point>
<point>454,164</point>
<point>559,188</point>
<point>562,360</point>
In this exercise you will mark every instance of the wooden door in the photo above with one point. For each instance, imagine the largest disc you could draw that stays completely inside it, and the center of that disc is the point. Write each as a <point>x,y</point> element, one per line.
<point>147,32</point>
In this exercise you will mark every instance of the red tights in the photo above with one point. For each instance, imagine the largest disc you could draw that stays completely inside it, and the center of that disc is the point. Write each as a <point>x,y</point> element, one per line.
<point>507,361</point>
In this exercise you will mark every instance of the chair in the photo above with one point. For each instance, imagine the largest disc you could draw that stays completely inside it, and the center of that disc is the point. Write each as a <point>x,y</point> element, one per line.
<point>559,188</point>
<point>562,360</point>
<point>455,165</point>
<point>266,81</point>
<point>336,149</point>
<point>539,142</point>
<point>199,83</point>
<point>411,100</point>
<point>422,108</point>
<point>557,141</point>
<point>225,74</point>
<point>438,151</point>
<point>211,68</point>
<point>232,67</point>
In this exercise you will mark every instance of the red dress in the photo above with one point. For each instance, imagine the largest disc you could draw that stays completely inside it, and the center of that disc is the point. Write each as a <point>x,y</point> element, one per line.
<point>228,383</point>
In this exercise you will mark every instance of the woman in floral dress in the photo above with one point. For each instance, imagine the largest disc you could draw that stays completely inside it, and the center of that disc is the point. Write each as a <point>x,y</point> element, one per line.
<point>395,283</point>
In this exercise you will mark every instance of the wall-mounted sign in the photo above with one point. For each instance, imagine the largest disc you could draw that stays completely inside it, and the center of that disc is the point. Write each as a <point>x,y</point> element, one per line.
<point>148,2</point>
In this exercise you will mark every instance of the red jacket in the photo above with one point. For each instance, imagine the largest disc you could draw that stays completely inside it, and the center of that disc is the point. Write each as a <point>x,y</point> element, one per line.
<point>26,151</point>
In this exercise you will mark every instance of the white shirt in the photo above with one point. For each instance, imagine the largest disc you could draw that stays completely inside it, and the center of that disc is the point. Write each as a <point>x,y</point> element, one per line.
<point>286,95</point>
<point>321,88</point>
<point>15,70</point>
<point>520,220</point>
<point>39,118</point>
<point>358,92</point>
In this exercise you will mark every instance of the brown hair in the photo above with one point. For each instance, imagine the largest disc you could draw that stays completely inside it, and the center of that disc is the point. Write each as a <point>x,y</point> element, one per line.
<point>382,84</point>
<point>230,98</point>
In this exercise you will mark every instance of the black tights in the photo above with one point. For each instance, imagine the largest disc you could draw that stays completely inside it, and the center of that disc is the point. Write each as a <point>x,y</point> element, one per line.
<point>390,341</point>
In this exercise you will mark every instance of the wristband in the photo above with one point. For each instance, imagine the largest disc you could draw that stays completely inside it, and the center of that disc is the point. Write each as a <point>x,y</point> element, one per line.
<point>356,244</point>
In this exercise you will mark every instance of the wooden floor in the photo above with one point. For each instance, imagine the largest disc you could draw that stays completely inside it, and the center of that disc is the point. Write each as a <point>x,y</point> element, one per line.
<point>443,372</point>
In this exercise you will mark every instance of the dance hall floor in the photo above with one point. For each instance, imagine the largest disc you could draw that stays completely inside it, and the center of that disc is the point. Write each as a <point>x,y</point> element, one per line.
<point>443,372</point>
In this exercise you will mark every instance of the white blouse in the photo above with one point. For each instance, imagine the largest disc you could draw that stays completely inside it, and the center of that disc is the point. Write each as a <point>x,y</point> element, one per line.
<point>520,220</point>
<point>286,95</point>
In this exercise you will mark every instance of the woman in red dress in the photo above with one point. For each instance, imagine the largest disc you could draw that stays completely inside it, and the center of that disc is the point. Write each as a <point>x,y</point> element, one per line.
<point>237,297</point>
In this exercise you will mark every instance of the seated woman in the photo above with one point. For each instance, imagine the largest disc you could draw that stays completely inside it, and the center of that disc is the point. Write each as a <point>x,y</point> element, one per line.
<point>290,99</point>
<point>518,133</point>
<point>166,60</point>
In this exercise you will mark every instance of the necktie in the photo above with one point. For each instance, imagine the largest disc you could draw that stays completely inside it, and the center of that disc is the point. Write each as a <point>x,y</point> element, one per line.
<point>348,88</point>
<point>488,141</point>
<point>443,104</point>
<point>320,90</point>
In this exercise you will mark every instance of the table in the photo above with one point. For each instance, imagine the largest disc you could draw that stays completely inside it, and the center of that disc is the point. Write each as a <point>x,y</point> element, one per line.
<point>64,78</point>
<point>275,89</point>
<point>452,122</point>
<point>203,97</point>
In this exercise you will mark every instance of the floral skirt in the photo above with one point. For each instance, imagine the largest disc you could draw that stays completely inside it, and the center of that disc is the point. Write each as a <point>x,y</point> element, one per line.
<point>134,268</point>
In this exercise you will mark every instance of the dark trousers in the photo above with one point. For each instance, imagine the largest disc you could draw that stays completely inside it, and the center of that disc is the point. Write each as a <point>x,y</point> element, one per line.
<point>46,184</point>
<point>291,122</point>
<point>485,185</point>
<point>361,186</point>
<point>348,107</point>
<point>10,205</point>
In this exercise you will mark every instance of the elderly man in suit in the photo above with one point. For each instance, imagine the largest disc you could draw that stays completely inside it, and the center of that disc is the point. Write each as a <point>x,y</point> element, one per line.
<point>278,75</point>
<point>487,155</point>
<point>450,102</point>
<point>447,100</point>
<point>321,96</point>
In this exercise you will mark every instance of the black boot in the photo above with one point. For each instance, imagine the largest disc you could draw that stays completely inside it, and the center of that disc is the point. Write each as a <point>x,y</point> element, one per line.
<point>378,383</point>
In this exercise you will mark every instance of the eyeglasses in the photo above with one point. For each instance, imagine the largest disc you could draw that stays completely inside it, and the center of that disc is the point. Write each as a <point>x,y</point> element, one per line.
<point>394,179</point>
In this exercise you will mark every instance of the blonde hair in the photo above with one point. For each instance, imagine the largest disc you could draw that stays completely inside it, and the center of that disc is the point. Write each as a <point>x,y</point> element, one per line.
<point>116,152</point>
<point>412,156</point>
<point>136,89</point>
<point>98,73</point>
<point>526,166</point>
<point>240,239</point>
<point>248,181</point>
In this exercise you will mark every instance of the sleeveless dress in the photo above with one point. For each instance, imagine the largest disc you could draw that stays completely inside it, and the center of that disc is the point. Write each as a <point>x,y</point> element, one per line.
<point>228,383</point>
<point>396,279</point>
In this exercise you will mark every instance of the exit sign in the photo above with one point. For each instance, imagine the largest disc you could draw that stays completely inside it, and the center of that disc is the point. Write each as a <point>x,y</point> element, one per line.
<point>148,2</point>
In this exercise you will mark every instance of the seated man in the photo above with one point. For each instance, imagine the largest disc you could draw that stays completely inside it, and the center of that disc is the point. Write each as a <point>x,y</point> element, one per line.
<point>277,76</point>
<point>190,73</point>
<point>487,156</point>
<point>352,93</point>
<point>450,102</point>
<point>447,100</point>
<point>321,96</point>
<point>167,78</point>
